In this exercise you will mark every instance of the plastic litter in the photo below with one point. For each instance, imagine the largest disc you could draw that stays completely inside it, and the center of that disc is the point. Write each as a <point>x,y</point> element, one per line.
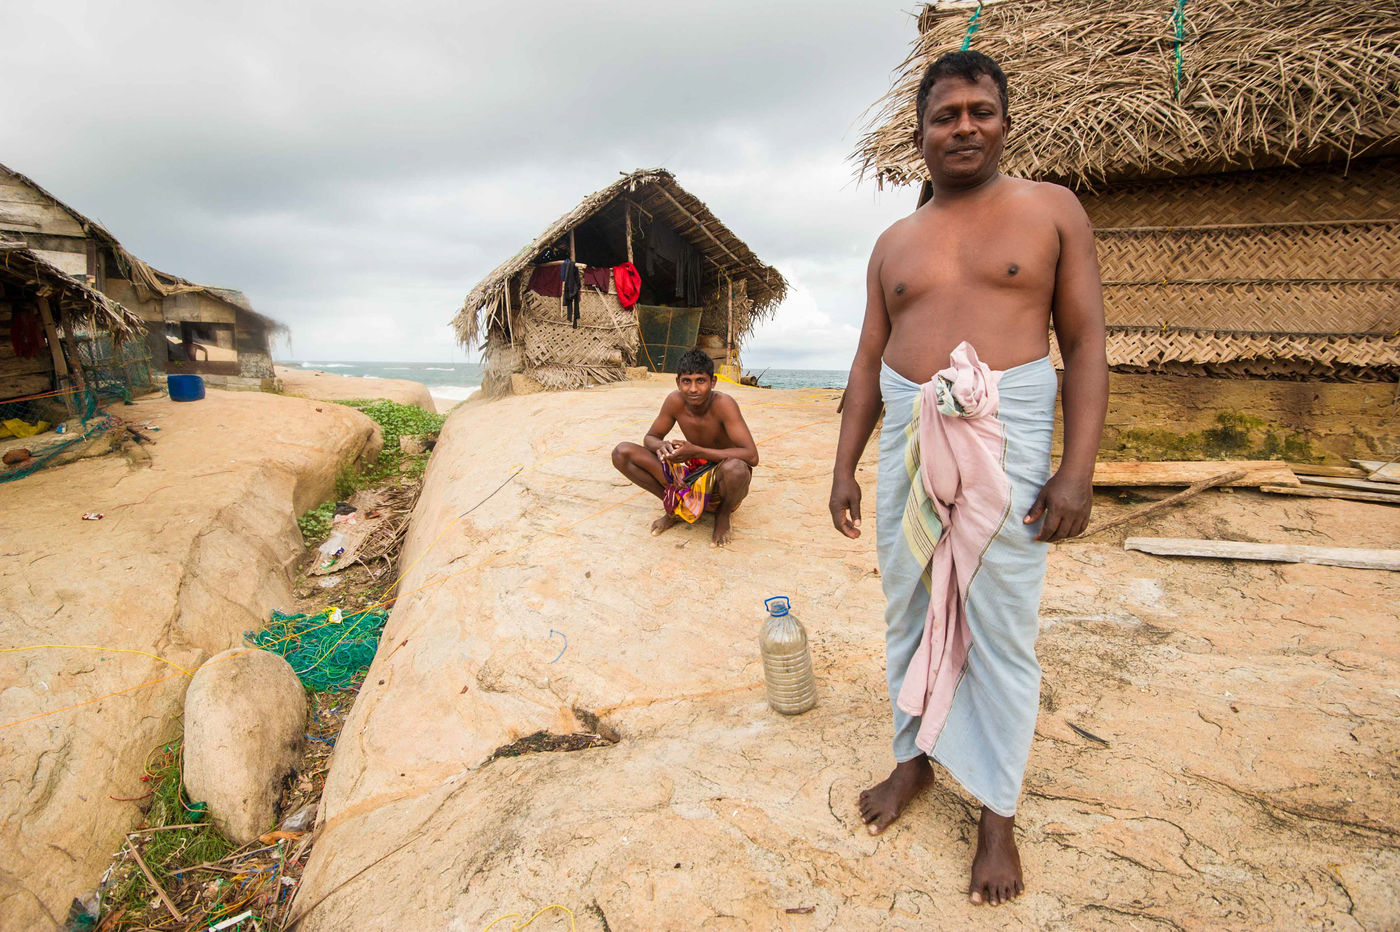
<point>299,821</point>
<point>92,516</point>
<point>787,665</point>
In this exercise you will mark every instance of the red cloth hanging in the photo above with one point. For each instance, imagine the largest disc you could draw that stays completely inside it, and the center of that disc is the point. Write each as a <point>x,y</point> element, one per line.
<point>27,333</point>
<point>629,284</point>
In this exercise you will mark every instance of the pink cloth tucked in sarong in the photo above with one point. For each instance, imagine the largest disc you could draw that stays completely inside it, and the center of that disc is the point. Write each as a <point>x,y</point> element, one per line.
<point>960,469</point>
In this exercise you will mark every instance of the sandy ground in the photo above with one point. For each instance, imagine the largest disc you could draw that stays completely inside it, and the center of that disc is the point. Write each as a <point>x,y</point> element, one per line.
<point>98,619</point>
<point>1246,777</point>
<point>327,386</point>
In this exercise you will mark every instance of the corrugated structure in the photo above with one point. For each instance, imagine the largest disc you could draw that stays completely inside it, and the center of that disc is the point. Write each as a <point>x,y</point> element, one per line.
<point>525,332</point>
<point>1240,163</point>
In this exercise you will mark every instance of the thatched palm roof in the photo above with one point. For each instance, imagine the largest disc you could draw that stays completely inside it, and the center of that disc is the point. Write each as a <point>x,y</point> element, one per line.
<point>150,282</point>
<point>1094,95</point>
<point>656,191</point>
<point>70,297</point>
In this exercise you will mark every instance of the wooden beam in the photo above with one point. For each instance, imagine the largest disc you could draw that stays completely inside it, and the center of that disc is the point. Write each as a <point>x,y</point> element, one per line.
<point>1350,495</point>
<point>1137,514</point>
<point>1361,485</point>
<point>60,365</point>
<point>1377,471</point>
<point>1356,557</point>
<point>696,220</point>
<point>1339,472</point>
<point>1168,473</point>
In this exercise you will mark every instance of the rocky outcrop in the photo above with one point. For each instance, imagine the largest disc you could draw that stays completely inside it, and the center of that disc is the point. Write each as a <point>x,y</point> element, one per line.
<point>193,550</point>
<point>245,715</point>
<point>313,383</point>
<point>1239,774</point>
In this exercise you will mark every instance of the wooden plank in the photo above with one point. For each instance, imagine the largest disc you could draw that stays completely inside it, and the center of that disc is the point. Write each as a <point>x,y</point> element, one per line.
<point>1256,472</point>
<point>1356,557</point>
<point>1377,471</point>
<point>1147,510</point>
<point>1350,495</point>
<point>1339,472</point>
<point>1361,485</point>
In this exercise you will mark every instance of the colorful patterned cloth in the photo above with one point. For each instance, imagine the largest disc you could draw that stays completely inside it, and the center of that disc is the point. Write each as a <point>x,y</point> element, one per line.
<point>690,488</point>
<point>962,459</point>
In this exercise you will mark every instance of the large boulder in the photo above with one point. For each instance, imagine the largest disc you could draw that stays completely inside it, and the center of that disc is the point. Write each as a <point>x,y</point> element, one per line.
<point>245,717</point>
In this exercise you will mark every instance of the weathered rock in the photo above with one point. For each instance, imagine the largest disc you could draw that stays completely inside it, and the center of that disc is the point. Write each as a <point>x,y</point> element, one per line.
<point>1248,781</point>
<point>327,386</point>
<point>245,717</point>
<point>193,551</point>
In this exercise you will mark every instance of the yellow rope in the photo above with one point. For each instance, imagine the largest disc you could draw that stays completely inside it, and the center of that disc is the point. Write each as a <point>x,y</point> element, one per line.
<point>105,650</point>
<point>531,920</point>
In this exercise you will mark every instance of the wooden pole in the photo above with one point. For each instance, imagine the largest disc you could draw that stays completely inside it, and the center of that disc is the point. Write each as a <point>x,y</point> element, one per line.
<point>729,332</point>
<point>627,215</point>
<point>60,365</point>
<point>71,342</point>
<point>1195,489</point>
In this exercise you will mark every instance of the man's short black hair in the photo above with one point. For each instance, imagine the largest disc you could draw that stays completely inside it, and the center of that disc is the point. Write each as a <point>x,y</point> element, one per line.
<point>969,66</point>
<point>695,362</point>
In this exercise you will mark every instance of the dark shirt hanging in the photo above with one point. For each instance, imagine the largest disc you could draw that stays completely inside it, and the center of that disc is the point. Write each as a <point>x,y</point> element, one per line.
<point>546,281</point>
<point>572,287</point>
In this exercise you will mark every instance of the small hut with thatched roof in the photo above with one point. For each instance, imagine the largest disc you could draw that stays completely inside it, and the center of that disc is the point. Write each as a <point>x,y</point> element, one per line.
<point>193,328</point>
<point>44,313</point>
<point>699,286</point>
<point>1240,163</point>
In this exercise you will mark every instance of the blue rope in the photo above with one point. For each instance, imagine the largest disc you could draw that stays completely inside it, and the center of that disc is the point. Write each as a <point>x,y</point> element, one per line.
<point>972,26</point>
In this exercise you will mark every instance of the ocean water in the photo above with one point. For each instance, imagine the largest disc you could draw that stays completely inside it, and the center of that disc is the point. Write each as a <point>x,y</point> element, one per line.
<point>458,380</point>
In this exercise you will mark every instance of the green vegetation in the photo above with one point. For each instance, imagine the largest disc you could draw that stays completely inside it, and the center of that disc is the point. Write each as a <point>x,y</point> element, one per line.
<point>1234,436</point>
<point>395,421</point>
<point>167,853</point>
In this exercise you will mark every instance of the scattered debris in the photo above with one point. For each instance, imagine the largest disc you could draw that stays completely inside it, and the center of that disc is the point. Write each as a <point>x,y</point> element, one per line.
<point>1356,557</point>
<point>1085,733</point>
<point>1144,511</point>
<point>92,516</point>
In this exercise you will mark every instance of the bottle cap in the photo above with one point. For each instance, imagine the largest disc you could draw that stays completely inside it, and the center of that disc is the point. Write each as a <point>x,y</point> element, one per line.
<point>777,605</point>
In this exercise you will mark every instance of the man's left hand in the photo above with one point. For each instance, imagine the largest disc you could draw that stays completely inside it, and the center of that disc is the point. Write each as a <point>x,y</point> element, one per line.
<point>1065,503</point>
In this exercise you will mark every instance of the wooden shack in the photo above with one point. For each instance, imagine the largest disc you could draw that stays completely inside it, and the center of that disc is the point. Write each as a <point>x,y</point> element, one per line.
<point>190,327</point>
<point>44,315</point>
<point>1241,166</point>
<point>700,285</point>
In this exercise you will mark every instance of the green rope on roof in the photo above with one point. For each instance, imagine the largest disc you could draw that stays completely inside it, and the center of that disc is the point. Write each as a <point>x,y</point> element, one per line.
<point>329,651</point>
<point>972,26</point>
<point>1179,21</point>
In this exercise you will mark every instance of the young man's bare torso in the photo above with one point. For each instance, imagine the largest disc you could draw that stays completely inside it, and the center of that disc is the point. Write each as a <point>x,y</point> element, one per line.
<point>714,431</point>
<point>991,261</point>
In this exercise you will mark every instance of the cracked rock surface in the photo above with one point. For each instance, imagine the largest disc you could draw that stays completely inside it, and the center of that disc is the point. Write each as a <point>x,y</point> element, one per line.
<point>192,551</point>
<point>1244,775</point>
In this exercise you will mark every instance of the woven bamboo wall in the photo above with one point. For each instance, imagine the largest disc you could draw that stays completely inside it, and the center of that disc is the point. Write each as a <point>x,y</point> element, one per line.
<point>555,353</point>
<point>1367,190</point>
<point>1285,273</point>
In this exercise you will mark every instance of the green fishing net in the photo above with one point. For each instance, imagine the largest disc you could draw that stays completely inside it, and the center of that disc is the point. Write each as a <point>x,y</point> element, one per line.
<point>329,651</point>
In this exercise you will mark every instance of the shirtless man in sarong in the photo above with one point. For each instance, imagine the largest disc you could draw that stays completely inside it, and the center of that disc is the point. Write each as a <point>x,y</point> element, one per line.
<point>989,261</point>
<point>708,471</point>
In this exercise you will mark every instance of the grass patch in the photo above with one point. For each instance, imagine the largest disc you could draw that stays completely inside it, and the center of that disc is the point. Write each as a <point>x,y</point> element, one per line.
<point>395,421</point>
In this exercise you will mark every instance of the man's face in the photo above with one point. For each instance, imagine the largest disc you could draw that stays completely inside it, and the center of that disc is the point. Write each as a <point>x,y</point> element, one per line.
<point>963,131</point>
<point>695,387</point>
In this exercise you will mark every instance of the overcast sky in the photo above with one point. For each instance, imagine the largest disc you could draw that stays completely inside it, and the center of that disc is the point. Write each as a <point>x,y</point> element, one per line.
<point>356,169</point>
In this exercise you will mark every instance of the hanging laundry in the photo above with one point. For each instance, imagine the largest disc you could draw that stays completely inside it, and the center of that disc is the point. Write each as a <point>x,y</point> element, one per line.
<point>26,333</point>
<point>629,284</point>
<point>598,278</point>
<point>572,286</point>
<point>546,281</point>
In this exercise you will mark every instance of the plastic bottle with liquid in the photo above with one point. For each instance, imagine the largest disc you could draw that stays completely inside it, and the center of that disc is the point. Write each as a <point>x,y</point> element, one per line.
<point>787,665</point>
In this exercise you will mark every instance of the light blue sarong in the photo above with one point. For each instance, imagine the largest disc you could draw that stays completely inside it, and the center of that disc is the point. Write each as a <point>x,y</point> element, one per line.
<point>986,739</point>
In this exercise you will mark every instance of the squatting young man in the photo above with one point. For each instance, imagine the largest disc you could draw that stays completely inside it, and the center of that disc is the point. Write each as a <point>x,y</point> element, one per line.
<point>708,471</point>
<point>960,298</point>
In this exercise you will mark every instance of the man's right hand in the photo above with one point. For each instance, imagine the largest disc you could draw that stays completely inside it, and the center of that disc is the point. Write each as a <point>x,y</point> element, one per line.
<point>845,506</point>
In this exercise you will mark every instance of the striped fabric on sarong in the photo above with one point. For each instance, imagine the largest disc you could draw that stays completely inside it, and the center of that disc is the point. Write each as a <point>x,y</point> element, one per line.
<point>690,487</point>
<point>962,459</point>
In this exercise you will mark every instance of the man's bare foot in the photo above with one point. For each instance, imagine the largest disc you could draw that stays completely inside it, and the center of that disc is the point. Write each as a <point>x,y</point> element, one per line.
<point>723,533</point>
<point>660,525</point>
<point>882,803</point>
<point>996,868</point>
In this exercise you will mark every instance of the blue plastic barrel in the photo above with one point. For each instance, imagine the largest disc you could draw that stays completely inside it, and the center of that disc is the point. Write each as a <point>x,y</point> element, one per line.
<point>185,387</point>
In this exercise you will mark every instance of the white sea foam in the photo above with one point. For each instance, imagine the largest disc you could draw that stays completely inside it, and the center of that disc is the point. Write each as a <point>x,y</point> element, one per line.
<point>327,365</point>
<point>436,369</point>
<point>453,392</point>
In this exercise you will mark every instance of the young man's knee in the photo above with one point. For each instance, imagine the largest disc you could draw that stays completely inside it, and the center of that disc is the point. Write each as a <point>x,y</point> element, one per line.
<point>620,456</point>
<point>735,472</point>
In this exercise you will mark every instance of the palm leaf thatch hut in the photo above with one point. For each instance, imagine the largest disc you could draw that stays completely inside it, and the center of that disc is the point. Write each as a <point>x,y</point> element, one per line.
<point>42,311</point>
<point>1240,163</point>
<point>190,327</point>
<point>699,285</point>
